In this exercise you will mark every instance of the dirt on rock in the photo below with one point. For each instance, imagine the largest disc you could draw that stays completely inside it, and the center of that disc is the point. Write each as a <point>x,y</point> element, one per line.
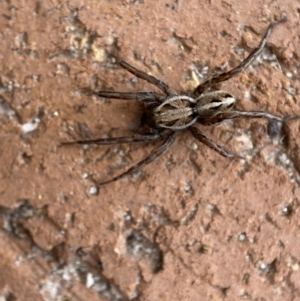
<point>192,225</point>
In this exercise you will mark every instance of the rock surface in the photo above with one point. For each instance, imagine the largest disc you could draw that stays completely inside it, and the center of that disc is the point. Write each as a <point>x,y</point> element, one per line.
<point>190,226</point>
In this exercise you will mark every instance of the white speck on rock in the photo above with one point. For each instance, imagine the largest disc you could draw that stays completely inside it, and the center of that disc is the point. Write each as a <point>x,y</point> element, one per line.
<point>30,126</point>
<point>93,190</point>
<point>89,280</point>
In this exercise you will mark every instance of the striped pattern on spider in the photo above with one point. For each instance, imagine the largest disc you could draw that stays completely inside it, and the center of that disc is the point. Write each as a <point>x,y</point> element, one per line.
<point>166,115</point>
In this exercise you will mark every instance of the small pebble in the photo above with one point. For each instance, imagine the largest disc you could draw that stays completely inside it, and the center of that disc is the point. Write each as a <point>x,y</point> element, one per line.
<point>94,190</point>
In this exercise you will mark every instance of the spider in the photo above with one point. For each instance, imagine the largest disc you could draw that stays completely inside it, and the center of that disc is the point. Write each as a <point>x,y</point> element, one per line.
<point>166,115</point>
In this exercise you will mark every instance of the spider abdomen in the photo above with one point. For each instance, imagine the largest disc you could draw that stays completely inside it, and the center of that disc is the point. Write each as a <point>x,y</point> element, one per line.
<point>214,103</point>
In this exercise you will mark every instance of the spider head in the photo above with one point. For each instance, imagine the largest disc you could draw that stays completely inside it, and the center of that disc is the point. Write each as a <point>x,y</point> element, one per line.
<point>175,113</point>
<point>213,103</point>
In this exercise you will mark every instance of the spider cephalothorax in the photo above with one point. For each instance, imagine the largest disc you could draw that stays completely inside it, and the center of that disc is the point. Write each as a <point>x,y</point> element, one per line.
<point>165,115</point>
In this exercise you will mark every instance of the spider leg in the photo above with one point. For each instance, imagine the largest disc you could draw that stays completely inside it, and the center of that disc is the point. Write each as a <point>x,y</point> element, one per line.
<point>139,96</point>
<point>153,155</point>
<point>238,114</point>
<point>117,140</point>
<point>149,78</point>
<point>219,149</point>
<point>217,78</point>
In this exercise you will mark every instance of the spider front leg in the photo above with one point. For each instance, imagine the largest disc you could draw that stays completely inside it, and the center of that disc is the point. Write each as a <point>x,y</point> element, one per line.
<point>211,144</point>
<point>218,78</point>
<point>149,78</point>
<point>117,140</point>
<point>139,96</point>
<point>153,155</point>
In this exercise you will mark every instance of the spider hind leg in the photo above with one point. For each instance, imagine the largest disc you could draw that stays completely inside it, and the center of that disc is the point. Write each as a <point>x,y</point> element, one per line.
<point>211,144</point>
<point>239,114</point>
<point>221,77</point>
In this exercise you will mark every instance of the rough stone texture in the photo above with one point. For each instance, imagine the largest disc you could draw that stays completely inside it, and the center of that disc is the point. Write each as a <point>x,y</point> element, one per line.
<point>190,226</point>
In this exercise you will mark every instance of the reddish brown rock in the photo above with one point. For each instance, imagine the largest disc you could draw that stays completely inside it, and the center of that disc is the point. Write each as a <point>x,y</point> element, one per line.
<point>206,227</point>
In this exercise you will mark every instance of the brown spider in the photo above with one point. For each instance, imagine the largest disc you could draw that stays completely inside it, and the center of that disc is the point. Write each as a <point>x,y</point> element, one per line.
<point>166,115</point>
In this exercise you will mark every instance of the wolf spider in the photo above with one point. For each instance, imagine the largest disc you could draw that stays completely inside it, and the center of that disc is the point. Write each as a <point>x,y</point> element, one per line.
<point>166,115</point>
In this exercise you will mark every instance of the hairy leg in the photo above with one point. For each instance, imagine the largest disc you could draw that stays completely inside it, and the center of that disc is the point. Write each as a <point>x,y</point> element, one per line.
<point>219,149</point>
<point>239,114</point>
<point>139,96</point>
<point>117,140</point>
<point>153,155</point>
<point>215,79</point>
<point>149,78</point>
